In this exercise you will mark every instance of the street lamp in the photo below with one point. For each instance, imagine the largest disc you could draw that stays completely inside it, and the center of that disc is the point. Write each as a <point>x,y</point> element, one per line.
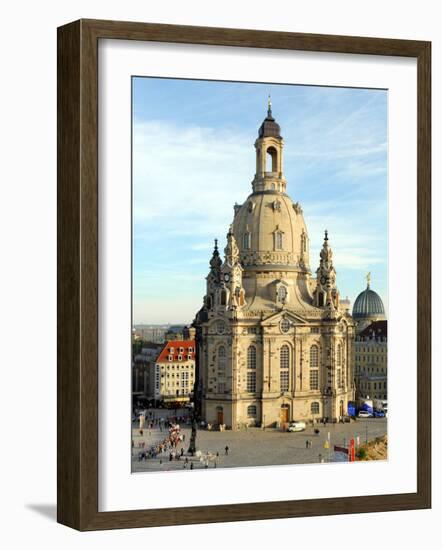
<point>196,399</point>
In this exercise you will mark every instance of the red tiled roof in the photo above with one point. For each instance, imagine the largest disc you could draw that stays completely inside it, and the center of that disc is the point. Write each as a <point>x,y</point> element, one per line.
<point>176,345</point>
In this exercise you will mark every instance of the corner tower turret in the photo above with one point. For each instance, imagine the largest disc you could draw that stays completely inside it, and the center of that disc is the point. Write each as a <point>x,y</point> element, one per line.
<point>326,293</point>
<point>269,145</point>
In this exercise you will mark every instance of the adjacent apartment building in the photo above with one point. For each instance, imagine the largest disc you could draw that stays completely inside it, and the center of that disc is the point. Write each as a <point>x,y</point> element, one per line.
<point>371,361</point>
<point>173,375</point>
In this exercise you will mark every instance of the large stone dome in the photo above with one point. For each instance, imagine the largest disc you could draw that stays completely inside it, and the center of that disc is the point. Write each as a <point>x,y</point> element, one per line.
<point>368,305</point>
<point>271,233</point>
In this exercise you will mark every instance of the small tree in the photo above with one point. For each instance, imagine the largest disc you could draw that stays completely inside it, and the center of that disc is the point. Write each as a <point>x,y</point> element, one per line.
<point>362,453</point>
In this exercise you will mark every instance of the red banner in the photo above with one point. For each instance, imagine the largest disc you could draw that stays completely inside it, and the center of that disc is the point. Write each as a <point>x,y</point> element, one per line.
<point>351,454</point>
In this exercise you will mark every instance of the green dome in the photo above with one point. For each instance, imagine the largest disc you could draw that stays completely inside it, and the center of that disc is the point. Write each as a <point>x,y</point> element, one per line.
<point>368,305</point>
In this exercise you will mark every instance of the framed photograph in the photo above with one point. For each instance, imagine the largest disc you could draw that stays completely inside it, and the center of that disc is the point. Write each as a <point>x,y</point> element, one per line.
<point>243,275</point>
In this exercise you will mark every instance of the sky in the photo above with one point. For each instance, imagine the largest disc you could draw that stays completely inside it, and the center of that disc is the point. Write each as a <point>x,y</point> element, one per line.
<point>194,157</point>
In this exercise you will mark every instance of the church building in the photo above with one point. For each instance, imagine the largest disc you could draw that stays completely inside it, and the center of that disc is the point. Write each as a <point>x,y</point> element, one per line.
<point>274,344</point>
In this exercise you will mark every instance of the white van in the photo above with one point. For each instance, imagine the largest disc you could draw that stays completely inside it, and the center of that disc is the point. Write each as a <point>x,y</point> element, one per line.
<point>296,426</point>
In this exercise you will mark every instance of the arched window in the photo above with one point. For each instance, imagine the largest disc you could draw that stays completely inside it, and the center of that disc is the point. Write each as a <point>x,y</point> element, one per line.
<point>278,240</point>
<point>284,364</point>
<point>251,369</point>
<point>222,358</point>
<point>282,294</point>
<point>339,380</point>
<point>251,357</point>
<point>284,357</point>
<point>303,242</point>
<point>251,411</point>
<point>314,368</point>
<point>223,297</point>
<point>246,241</point>
<point>314,407</point>
<point>339,355</point>
<point>271,160</point>
<point>314,357</point>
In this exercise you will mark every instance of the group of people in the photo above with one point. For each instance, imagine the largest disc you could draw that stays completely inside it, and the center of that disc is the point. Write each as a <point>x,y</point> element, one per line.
<point>172,444</point>
<point>169,443</point>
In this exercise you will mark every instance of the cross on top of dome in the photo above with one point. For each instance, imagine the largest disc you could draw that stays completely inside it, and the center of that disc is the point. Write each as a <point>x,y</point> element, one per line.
<point>269,127</point>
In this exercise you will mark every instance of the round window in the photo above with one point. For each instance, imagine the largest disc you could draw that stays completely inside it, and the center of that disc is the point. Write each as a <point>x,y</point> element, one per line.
<point>285,325</point>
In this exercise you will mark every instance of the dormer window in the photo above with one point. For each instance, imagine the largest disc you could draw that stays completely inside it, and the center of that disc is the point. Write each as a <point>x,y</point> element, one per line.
<point>171,350</point>
<point>181,350</point>
<point>278,240</point>
<point>303,242</point>
<point>170,357</point>
<point>282,294</point>
<point>180,357</point>
<point>246,241</point>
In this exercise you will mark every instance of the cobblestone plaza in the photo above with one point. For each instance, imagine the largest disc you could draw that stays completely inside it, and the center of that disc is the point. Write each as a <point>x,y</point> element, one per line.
<point>254,446</point>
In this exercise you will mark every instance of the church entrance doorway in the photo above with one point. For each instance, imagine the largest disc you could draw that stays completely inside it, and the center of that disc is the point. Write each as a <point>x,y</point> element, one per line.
<point>284,414</point>
<point>219,416</point>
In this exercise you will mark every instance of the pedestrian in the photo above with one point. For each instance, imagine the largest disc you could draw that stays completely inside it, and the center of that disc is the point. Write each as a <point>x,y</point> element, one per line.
<point>182,451</point>
<point>191,465</point>
<point>226,449</point>
<point>306,443</point>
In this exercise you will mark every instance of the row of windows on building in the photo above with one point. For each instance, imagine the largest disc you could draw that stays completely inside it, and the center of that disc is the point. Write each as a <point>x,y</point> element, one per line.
<point>373,385</point>
<point>278,241</point>
<point>252,410</point>
<point>184,375</point>
<point>360,368</point>
<point>284,356</point>
<point>284,368</point>
<point>173,367</point>
<point>376,358</point>
<point>182,380</point>
<point>372,349</point>
<point>285,323</point>
<point>180,357</point>
<point>278,237</point>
